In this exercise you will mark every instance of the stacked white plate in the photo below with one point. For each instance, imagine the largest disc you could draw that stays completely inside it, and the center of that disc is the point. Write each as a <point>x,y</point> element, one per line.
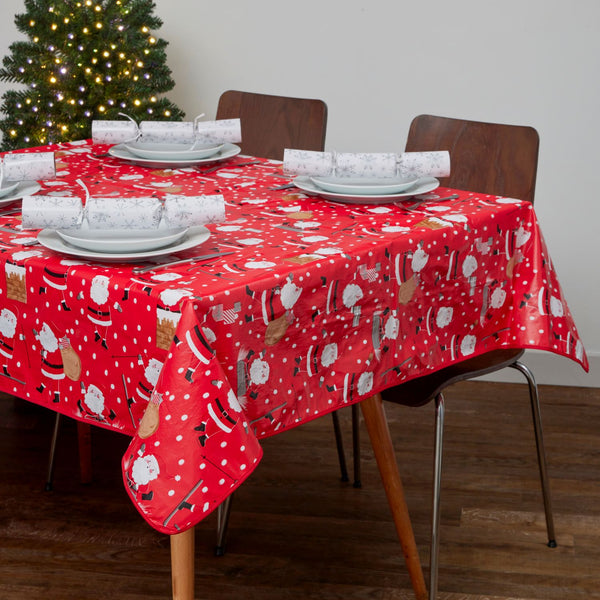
<point>365,190</point>
<point>369,186</point>
<point>11,191</point>
<point>156,151</point>
<point>7,187</point>
<point>122,246</point>
<point>172,156</point>
<point>126,240</point>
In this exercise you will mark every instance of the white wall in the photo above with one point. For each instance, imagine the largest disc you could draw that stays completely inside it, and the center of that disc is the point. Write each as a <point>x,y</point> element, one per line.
<point>377,63</point>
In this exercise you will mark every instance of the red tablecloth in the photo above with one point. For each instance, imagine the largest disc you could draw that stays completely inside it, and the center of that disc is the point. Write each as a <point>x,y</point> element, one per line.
<point>319,305</point>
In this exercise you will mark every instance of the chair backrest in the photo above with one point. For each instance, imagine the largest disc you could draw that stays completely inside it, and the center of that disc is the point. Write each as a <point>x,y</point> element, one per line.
<point>484,157</point>
<point>272,123</point>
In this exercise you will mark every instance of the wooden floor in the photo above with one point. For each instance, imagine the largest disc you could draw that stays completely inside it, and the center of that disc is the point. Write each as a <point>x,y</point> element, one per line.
<point>297,532</point>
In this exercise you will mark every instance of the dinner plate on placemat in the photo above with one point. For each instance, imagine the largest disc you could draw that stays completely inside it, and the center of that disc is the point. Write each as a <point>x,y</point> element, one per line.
<point>194,236</point>
<point>23,188</point>
<point>421,186</point>
<point>121,152</point>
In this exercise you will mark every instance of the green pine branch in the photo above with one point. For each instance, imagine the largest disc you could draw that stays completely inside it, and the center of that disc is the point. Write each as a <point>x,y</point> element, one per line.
<point>83,60</point>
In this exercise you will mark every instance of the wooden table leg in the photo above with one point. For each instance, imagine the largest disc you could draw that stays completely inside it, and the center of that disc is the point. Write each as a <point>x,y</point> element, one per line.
<point>182,565</point>
<point>378,430</point>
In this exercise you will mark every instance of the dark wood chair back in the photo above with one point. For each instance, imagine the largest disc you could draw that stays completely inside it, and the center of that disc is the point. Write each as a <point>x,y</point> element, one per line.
<point>485,157</point>
<point>498,160</point>
<point>272,123</point>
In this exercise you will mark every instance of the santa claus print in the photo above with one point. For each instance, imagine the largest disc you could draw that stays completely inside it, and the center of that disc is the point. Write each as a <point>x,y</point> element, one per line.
<point>8,331</point>
<point>168,313</point>
<point>94,399</point>
<point>384,327</point>
<point>151,373</point>
<point>92,405</point>
<point>223,417</point>
<point>515,240</point>
<point>365,383</point>
<point>98,311</point>
<point>556,307</point>
<point>147,283</point>
<point>319,358</point>
<point>290,293</point>
<point>196,341</point>
<point>259,371</point>
<point>467,345</point>
<point>469,267</point>
<point>436,318</point>
<point>419,260</point>
<point>55,277</point>
<point>444,316</point>
<point>391,329</point>
<point>351,296</point>
<point>145,469</point>
<point>52,362</point>
<point>329,354</point>
<point>521,236</point>
<point>407,267</point>
<point>497,298</point>
<point>252,370</point>
<point>354,385</point>
<point>277,326</point>
<point>141,473</point>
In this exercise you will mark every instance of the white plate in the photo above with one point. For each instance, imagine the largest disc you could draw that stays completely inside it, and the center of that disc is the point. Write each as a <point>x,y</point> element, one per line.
<point>24,188</point>
<point>120,151</point>
<point>154,151</point>
<point>8,188</point>
<point>422,186</point>
<point>115,241</point>
<point>193,237</point>
<point>372,186</point>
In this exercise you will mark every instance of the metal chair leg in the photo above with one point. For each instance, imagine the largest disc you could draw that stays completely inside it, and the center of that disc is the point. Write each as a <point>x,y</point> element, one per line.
<point>340,446</point>
<point>541,452</point>
<point>356,445</point>
<point>437,485</point>
<point>223,512</point>
<point>50,476</point>
<point>84,443</point>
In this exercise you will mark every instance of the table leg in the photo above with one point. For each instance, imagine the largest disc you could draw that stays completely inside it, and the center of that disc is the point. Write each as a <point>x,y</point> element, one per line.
<point>182,565</point>
<point>379,433</point>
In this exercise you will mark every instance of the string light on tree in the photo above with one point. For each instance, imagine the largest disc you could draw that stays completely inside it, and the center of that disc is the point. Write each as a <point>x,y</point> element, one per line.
<point>83,60</point>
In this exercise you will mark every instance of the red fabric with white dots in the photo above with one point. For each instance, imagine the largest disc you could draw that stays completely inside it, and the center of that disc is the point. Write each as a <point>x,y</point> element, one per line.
<point>319,305</point>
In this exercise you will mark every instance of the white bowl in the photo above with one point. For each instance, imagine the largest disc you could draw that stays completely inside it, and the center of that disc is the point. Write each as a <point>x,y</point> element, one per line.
<point>172,151</point>
<point>378,186</point>
<point>7,188</point>
<point>121,240</point>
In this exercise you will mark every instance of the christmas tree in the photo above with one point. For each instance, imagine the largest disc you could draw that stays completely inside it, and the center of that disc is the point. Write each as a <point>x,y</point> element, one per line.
<point>84,60</point>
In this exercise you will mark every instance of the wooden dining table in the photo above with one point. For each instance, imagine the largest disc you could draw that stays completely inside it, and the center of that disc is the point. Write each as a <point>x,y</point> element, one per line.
<point>292,307</point>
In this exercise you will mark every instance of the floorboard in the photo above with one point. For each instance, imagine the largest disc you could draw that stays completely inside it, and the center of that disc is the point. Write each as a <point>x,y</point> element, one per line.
<point>296,531</point>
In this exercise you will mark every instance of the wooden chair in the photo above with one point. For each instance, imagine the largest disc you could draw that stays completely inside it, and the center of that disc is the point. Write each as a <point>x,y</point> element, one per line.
<point>269,125</point>
<point>272,123</point>
<point>495,159</point>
